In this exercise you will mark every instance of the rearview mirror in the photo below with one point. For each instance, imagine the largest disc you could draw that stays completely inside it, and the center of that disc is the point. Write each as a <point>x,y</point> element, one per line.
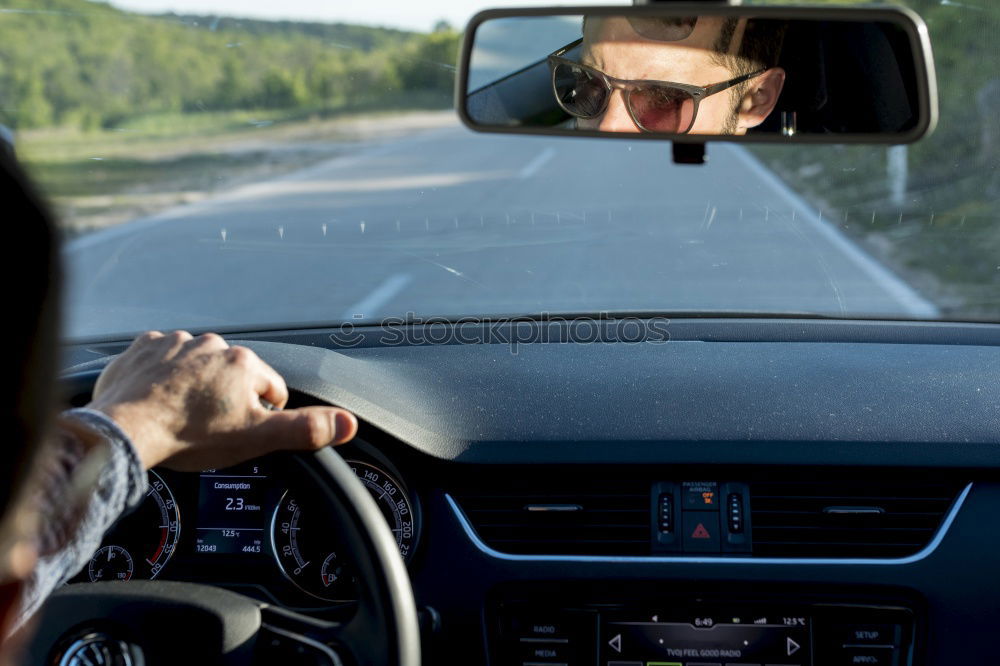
<point>695,73</point>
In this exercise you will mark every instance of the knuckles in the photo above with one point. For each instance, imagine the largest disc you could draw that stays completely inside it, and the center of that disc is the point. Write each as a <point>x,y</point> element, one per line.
<point>316,430</point>
<point>240,355</point>
<point>179,337</point>
<point>212,340</point>
<point>146,338</point>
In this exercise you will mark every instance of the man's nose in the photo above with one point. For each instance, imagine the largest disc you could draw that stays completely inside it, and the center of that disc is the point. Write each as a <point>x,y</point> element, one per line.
<point>616,117</point>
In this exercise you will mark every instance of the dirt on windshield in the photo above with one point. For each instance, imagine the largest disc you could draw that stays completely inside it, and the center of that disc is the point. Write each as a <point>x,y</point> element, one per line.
<point>100,179</point>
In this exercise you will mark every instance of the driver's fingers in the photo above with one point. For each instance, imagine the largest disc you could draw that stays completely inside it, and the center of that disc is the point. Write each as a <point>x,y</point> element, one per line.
<point>270,386</point>
<point>167,346</point>
<point>142,345</point>
<point>146,337</point>
<point>306,428</point>
<point>205,343</point>
<point>265,381</point>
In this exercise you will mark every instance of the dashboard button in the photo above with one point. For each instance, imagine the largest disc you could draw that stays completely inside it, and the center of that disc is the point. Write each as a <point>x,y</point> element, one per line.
<point>735,513</point>
<point>869,656</point>
<point>666,513</point>
<point>533,635</point>
<point>541,650</point>
<point>867,634</point>
<point>555,625</point>
<point>701,532</point>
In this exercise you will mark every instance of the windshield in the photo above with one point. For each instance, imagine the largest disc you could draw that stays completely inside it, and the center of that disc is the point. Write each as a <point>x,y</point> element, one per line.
<point>223,165</point>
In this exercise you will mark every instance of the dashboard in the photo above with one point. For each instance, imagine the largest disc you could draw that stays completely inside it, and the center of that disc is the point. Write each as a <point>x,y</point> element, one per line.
<point>784,493</point>
<point>257,528</point>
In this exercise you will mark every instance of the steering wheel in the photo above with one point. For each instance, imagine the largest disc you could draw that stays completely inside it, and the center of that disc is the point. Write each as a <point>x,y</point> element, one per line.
<point>162,622</point>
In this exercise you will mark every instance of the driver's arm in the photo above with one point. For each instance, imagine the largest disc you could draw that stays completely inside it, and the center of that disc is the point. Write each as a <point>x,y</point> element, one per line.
<point>175,400</point>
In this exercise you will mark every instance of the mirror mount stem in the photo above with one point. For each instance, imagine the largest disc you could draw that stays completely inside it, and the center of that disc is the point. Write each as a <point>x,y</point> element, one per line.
<point>688,153</point>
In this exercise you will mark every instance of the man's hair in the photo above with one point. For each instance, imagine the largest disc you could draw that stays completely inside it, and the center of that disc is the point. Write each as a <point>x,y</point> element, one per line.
<point>31,341</point>
<point>760,49</point>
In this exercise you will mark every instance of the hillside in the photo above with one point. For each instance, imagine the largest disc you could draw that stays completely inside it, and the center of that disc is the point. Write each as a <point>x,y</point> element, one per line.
<point>75,63</point>
<point>362,37</point>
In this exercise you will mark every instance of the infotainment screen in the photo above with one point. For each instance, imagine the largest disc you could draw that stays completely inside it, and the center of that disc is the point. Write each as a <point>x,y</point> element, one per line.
<point>232,514</point>
<point>677,640</point>
<point>699,632</point>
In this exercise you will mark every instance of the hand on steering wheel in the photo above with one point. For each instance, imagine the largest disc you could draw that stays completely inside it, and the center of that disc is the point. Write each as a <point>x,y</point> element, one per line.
<point>165,622</point>
<point>192,403</point>
<point>195,403</point>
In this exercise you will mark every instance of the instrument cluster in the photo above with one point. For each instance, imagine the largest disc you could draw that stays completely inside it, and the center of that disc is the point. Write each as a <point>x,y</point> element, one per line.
<point>259,528</point>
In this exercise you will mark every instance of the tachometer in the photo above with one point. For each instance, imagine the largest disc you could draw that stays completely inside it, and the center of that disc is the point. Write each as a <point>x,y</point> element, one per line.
<point>307,550</point>
<point>143,542</point>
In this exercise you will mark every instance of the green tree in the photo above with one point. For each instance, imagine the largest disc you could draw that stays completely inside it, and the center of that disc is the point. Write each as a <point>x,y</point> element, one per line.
<point>428,63</point>
<point>31,108</point>
<point>281,89</point>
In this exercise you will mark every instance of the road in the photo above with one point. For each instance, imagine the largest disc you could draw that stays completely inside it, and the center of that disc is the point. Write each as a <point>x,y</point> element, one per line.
<point>449,222</point>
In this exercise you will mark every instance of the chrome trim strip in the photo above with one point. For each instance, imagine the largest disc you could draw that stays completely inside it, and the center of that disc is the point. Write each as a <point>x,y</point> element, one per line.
<point>854,510</point>
<point>553,507</point>
<point>470,532</point>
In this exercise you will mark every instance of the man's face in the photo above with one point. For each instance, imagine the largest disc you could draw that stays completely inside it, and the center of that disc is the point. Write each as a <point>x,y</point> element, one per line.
<point>612,46</point>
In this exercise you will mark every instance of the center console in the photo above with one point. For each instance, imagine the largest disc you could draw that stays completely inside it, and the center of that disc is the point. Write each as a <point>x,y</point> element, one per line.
<point>701,630</point>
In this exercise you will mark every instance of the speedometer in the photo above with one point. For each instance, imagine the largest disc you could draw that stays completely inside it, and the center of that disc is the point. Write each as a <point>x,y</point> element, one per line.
<point>392,500</point>
<point>142,543</point>
<point>307,550</point>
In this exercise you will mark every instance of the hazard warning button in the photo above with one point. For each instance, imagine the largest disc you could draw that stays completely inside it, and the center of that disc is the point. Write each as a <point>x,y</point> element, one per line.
<point>701,532</point>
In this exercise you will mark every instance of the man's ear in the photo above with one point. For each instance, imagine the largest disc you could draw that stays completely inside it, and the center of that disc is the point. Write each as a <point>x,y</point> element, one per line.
<point>759,101</point>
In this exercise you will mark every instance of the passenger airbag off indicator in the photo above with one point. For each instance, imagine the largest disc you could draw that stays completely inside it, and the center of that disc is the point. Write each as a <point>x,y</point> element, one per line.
<point>700,495</point>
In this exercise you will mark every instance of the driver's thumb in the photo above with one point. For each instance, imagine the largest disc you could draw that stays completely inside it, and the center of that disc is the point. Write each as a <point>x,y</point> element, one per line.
<point>305,428</point>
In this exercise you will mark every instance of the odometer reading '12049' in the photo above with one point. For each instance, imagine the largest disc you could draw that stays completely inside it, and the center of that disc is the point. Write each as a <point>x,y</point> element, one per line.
<point>307,550</point>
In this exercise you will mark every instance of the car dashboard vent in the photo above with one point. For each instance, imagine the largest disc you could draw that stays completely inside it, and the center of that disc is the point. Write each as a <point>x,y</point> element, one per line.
<point>788,519</point>
<point>857,519</point>
<point>594,519</point>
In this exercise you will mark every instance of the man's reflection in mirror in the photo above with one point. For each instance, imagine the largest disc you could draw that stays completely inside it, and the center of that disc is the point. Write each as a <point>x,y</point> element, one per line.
<point>698,75</point>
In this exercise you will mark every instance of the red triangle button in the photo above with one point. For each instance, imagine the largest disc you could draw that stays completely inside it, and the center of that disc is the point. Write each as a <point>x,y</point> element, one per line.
<point>700,532</point>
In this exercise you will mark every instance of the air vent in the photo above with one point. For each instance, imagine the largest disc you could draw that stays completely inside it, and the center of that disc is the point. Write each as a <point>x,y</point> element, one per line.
<point>597,518</point>
<point>846,519</point>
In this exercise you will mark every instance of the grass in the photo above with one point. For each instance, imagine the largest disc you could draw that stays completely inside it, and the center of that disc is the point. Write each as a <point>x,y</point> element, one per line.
<point>944,239</point>
<point>102,177</point>
<point>151,133</point>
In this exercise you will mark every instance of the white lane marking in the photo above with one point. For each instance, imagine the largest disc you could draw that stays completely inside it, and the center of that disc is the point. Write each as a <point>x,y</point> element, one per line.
<point>378,297</point>
<point>907,296</point>
<point>532,167</point>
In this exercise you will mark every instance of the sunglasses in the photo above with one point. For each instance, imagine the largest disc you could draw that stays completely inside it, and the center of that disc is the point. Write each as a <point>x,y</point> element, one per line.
<point>654,106</point>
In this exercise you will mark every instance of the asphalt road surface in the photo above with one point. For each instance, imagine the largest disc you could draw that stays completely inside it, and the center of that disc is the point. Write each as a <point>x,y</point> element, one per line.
<point>449,222</point>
